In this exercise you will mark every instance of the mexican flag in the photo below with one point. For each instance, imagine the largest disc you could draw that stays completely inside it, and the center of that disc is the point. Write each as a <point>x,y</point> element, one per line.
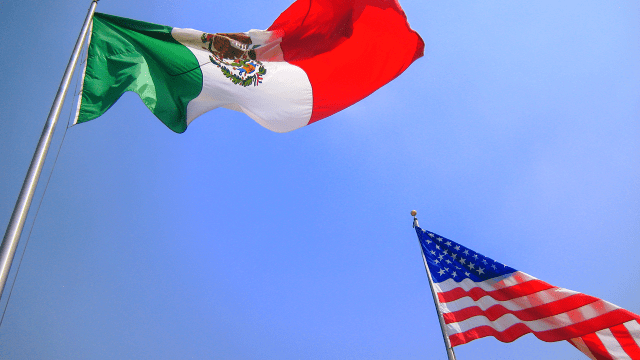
<point>318,57</point>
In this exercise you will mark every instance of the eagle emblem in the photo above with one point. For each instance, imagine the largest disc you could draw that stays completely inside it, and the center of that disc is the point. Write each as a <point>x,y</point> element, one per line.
<point>235,56</point>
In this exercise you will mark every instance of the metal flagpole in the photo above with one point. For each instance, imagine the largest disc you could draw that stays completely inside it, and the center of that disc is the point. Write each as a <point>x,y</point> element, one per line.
<point>14,229</point>
<point>447,343</point>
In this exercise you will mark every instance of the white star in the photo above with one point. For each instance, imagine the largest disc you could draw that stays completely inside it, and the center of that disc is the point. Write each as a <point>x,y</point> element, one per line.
<point>448,243</point>
<point>439,239</point>
<point>453,256</point>
<point>441,272</point>
<point>431,235</point>
<point>466,252</point>
<point>466,273</point>
<point>475,256</point>
<point>457,247</point>
<point>437,262</point>
<point>494,267</point>
<point>458,267</point>
<point>454,274</point>
<point>463,261</point>
<point>481,271</point>
<point>484,261</point>
<point>446,269</point>
<point>429,241</point>
<point>448,261</point>
<point>438,247</point>
<point>471,266</point>
<point>440,256</point>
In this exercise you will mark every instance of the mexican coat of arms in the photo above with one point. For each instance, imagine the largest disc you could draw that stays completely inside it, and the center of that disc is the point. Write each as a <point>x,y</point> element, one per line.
<point>235,56</point>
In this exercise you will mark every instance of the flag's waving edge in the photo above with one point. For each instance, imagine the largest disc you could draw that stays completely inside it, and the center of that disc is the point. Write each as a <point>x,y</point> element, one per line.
<point>319,57</point>
<point>348,48</point>
<point>480,297</point>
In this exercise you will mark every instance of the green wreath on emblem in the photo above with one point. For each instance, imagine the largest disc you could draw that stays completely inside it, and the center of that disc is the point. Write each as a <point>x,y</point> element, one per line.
<point>246,66</point>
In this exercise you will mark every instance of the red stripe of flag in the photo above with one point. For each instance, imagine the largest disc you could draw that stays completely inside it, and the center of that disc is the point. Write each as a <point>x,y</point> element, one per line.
<point>534,313</point>
<point>596,347</point>
<point>508,335</point>
<point>604,321</point>
<point>625,339</point>
<point>512,292</point>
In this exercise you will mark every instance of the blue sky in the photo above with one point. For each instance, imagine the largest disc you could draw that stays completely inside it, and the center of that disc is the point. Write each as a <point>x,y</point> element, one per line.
<point>516,135</point>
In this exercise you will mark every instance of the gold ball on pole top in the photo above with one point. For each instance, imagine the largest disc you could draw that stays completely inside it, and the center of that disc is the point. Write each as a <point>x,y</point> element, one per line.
<point>414,213</point>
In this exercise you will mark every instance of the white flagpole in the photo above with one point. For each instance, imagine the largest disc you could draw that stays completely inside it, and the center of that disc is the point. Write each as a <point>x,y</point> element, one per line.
<point>20,211</point>
<point>447,343</point>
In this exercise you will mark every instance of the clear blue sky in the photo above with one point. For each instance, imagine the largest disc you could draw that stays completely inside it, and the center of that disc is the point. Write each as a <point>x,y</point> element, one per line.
<point>517,135</point>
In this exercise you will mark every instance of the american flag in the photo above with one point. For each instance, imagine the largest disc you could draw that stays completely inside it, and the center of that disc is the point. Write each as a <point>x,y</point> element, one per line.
<point>481,297</point>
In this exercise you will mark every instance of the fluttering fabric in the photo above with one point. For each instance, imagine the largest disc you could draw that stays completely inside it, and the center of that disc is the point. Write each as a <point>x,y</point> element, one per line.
<point>481,297</point>
<point>318,57</point>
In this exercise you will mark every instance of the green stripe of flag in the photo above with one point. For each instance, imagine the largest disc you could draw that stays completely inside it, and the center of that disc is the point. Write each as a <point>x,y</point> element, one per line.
<point>130,55</point>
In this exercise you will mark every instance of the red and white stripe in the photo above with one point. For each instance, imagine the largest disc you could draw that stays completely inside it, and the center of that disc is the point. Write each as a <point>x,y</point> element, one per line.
<point>520,304</point>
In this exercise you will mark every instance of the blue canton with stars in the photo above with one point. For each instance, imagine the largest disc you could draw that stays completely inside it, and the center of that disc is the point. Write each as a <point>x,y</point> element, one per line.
<point>450,260</point>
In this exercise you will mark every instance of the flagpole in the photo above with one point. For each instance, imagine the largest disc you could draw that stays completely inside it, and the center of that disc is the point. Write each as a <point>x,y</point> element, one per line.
<point>447,343</point>
<point>20,211</point>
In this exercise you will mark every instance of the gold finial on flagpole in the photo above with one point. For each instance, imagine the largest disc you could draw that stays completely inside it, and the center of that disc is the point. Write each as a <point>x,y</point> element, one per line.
<point>415,219</point>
